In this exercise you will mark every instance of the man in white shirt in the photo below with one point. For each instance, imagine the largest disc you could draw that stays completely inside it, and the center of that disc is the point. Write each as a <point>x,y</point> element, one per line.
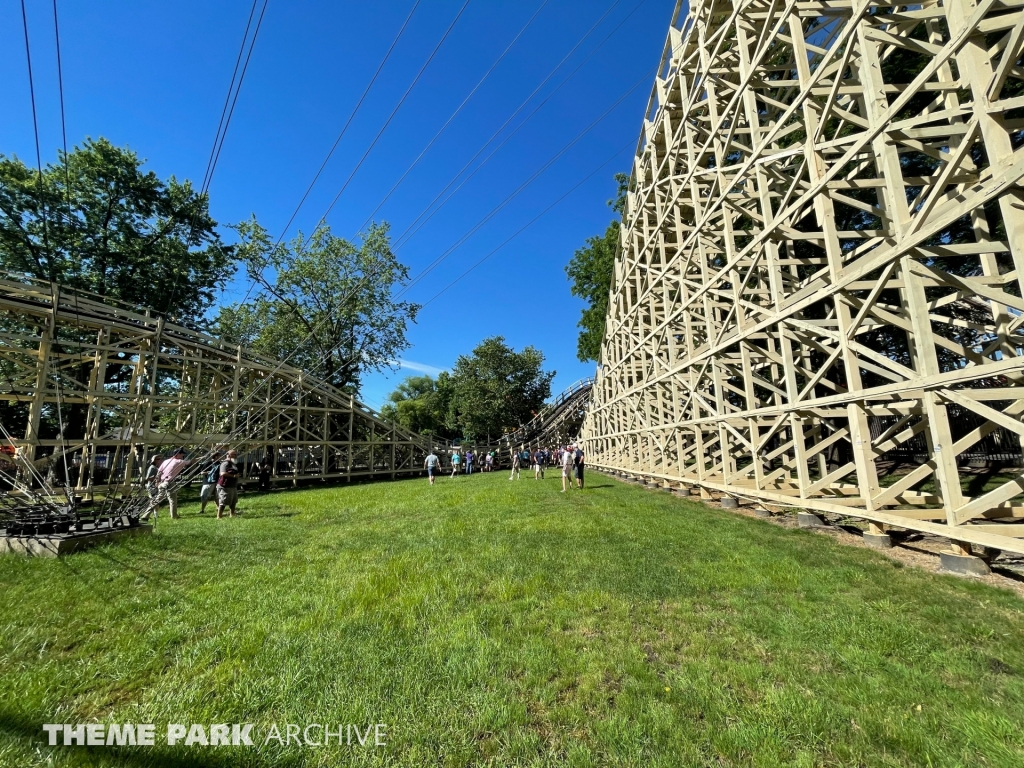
<point>567,456</point>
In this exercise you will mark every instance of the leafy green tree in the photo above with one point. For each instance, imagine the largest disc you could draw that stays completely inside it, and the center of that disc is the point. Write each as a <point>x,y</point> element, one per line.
<point>418,404</point>
<point>494,389</point>
<point>590,270</point>
<point>324,305</point>
<point>101,223</point>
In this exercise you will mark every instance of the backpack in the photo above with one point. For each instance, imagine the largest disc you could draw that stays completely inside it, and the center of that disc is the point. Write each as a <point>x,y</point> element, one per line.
<point>228,481</point>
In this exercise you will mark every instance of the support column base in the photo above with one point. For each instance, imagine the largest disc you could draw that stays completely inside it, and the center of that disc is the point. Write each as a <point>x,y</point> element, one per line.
<point>963,565</point>
<point>728,502</point>
<point>877,540</point>
<point>809,520</point>
<point>681,491</point>
<point>762,513</point>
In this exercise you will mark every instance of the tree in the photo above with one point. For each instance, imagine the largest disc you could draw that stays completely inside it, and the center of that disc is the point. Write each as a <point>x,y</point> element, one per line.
<point>324,305</point>
<point>417,404</point>
<point>590,270</point>
<point>494,389</point>
<point>95,220</point>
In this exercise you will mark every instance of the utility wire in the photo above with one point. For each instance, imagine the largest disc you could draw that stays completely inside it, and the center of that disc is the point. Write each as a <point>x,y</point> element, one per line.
<point>348,122</point>
<point>444,255</point>
<point>227,96</point>
<point>39,157</point>
<point>390,118</point>
<point>63,124</point>
<point>221,135</point>
<point>453,115</point>
<point>218,142</point>
<point>530,223</point>
<point>410,231</point>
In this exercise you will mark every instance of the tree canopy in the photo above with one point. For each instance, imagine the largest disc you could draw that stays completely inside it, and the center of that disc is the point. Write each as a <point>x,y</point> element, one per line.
<point>495,389</point>
<point>324,305</point>
<point>590,270</point>
<point>96,220</point>
<point>418,404</point>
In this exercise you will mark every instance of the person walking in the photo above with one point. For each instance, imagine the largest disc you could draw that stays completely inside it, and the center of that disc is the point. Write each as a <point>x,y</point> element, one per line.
<point>150,483</point>
<point>264,472</point>
<point>227,485</point>
<point>567,456</point>
<point>469,462</point>
<point>538,464</point>
<point>431,465</point>
<point>208,492</point>
<point>456,461</point>
<point>489,462</point>
<point>166,476</point>
<point>578,464</point>
<point>516,463</point>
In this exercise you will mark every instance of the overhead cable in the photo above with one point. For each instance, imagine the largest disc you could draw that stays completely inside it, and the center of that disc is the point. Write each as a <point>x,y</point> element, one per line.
<point>387,122</point>
<point>348,122</point>
<point>453,115</point>
<point>234,89</point>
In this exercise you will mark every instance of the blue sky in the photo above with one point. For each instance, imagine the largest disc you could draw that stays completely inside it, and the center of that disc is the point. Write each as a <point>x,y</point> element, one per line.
<point>153,76</point>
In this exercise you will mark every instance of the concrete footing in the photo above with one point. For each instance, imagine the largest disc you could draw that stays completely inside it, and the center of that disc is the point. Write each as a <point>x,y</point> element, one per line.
<point>964,565</point>
<point>60,545</point>
<point>728,502</point>
<point>762,512</point>
<point>877,540</point>
<point>681,491</point>
<point>809,520</point>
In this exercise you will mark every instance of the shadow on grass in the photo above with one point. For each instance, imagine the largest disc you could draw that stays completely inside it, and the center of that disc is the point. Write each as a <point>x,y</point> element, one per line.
<point>32,737</point>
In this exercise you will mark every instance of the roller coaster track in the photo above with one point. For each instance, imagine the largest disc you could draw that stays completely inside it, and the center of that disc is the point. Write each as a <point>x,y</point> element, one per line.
<point>557,423</point>
<point>130,385</point>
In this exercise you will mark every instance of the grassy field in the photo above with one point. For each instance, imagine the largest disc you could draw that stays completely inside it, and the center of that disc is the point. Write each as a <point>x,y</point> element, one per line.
<point>489,622</point>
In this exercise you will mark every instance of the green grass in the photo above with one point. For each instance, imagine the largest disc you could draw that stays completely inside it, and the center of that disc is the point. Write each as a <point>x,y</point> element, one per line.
<point>496,623</point>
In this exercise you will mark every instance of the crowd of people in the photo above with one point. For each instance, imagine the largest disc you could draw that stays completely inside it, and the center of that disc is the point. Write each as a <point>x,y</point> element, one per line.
<point>569,457</point>
<point>219,474</point>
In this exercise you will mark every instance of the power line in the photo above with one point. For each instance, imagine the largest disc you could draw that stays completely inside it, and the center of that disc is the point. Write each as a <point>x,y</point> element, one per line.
<point>525,184</point>
<point>348,122</point>
<point>232,97</point>
<point>403,239</point>
<point>222,132</point>
<point>406,236</point>
<point>454,114</point>
<point>63,125</point>
<point>39,157</point>
<point>526,226</point>
<point>227,96</point>
<point>390,117</point>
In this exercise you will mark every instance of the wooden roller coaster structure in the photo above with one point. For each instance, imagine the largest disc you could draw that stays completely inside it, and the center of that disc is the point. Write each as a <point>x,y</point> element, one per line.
<point>817,301</point>
<point>91,389</point>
